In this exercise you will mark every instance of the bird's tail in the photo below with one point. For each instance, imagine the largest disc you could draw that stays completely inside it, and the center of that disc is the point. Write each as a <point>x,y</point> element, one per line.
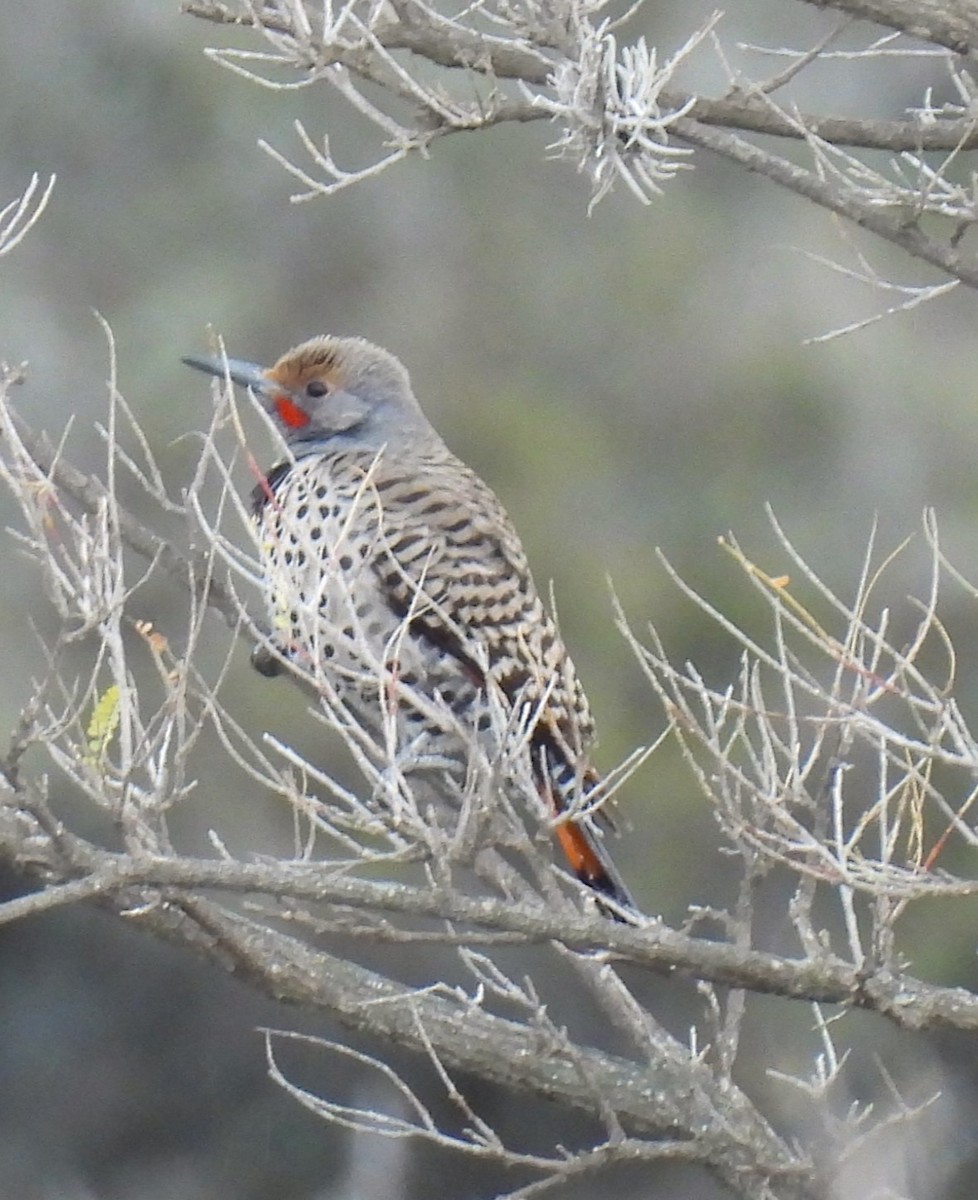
<point>592,864</point>
<point>561,784</point>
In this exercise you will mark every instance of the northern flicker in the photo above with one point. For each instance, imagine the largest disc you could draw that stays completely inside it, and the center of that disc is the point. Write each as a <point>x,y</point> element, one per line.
<point>371,530</point>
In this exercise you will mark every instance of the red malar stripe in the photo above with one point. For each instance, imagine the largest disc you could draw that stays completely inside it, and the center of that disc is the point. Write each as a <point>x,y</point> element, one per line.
<point>290,413</point>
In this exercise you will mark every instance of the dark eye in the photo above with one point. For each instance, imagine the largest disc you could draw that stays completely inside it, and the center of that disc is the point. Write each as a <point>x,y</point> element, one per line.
<point>315,389</point>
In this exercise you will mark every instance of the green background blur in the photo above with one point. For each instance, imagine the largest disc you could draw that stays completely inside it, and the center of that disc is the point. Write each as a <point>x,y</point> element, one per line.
<point>625,381</point>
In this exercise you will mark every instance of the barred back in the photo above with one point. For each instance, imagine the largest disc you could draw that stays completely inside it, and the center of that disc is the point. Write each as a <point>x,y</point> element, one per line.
<point>418,562</point>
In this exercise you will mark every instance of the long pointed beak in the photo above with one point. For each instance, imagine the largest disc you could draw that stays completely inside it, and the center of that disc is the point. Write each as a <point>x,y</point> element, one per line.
<point>245,374</point>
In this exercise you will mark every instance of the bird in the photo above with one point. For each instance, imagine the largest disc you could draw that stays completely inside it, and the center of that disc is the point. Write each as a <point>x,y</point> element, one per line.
<point>371,531</point>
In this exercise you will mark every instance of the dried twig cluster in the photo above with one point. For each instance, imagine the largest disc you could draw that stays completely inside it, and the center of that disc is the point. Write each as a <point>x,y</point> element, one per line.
<point>820,762</point>
<point>839,764</point>
<point>417,73</point>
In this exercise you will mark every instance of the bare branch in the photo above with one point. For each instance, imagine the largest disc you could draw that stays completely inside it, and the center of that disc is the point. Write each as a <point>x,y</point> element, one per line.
<point>20,216</point>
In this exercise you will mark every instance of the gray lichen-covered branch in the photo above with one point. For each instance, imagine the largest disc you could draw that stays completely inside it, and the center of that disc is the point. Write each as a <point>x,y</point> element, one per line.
<point>623,111</point>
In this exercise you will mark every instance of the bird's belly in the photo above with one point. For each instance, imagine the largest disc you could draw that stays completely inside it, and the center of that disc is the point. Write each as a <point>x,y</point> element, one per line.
<point>331,620</point>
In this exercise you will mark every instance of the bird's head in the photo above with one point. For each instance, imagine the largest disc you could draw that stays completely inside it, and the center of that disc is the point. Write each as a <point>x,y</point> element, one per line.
<point>329,388</point>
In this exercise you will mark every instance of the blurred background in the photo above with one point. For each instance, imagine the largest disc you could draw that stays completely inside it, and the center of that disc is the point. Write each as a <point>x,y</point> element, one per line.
<point>632,380</point>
